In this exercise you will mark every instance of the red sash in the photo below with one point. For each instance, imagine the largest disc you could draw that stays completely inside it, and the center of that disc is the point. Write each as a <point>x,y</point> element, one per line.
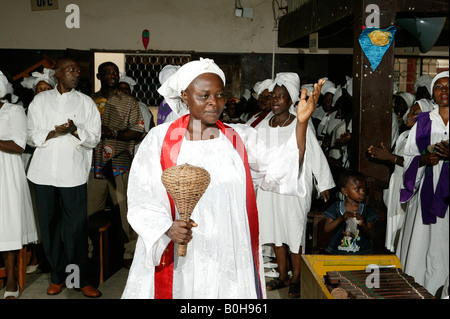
<point>261,117</point>
<point>169,155</point>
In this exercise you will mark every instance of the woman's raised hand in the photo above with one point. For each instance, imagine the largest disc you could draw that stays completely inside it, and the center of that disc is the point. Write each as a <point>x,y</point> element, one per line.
<point>307,105</point>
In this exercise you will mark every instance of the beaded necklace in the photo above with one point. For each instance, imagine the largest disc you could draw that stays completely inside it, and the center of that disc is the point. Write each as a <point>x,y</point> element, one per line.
<point>271,120</point>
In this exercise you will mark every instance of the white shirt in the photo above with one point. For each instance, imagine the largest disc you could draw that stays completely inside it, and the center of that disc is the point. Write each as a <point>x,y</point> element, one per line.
<point>63,161</point>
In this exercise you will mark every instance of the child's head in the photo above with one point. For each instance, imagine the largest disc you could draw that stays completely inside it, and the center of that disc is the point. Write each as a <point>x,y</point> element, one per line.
<point>353,185</point>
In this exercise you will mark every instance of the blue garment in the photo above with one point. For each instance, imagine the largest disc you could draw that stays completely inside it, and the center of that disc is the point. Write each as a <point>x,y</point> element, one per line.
<point>336,210</point>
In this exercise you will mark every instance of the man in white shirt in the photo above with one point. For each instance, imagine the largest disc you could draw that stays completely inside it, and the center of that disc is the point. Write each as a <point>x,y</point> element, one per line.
<point>59,171</point>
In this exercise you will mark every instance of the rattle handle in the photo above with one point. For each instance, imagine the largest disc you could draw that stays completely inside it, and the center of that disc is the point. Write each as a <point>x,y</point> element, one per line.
<point>181,251</point>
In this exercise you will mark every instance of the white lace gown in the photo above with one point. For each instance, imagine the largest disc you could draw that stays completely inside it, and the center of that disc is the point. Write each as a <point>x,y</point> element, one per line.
<point>219,261</point>
<point>17,223</point>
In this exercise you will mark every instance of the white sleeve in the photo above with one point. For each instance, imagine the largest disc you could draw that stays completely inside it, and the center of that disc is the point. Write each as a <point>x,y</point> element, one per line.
<point>319,164</point>
<point>18,126</point>
<point>275,169</point>
<point>148,204</point>
<point>90,132</point>
<point>37,135</point>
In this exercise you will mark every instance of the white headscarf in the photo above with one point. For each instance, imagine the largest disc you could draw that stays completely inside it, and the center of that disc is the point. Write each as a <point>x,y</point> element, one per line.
<point>167,72</point>
<point>349,85</point>
<point>291,81</point>
<point>337,94</point>
<point>423,80</point>
<point>48,76</point>
<point>425,105</point>
<point>259,87</point>
<point>328,87</point>
<point>309,87</point>
<point>6,88</point>
<point>180,80</point>
<point>3,85</point>
<point>409,99</point>
<point>128,80</point>
<point>437,77</point>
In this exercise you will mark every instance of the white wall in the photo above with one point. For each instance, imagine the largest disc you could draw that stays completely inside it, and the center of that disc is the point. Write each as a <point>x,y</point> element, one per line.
<point>174,25</point>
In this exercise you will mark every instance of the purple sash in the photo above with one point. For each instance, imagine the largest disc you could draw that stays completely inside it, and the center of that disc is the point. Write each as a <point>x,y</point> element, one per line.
<point>163,111</point>
<point>433,204</point>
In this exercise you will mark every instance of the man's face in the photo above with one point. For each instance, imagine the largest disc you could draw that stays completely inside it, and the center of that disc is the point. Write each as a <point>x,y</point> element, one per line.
<point>68,74</point>
<point>109,76</point>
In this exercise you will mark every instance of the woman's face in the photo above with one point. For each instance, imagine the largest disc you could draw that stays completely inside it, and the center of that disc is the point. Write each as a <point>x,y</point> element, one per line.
<point>281,100</point>
<point>205,98</point>
<point>440,92</point>
<point>41,87</point>
<point>328,101</point>
<point>400,106</point>
<point>264,100</point>
<point>412,115</point>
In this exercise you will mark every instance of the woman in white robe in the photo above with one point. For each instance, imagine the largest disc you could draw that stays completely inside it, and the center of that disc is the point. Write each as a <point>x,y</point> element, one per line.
<point>219,261</point>
<point>17,223</point>
<point>424,252</point>
<point>391,195</point>
<point>283,217</point>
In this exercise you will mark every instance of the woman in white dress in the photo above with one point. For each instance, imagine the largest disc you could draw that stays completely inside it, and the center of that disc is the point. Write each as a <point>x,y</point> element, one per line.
<point>223,258</point>
<point>17,223</point>
<point>283,217</point>
<point>391,195</point>
<point>424,252</point>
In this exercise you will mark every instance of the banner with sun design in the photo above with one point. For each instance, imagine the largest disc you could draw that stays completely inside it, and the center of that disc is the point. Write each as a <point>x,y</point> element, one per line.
<point>375,42</point>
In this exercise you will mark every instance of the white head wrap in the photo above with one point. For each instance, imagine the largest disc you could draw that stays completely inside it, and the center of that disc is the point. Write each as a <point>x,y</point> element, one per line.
<point>7,88</point>
<point>425,105</point>
<point>180,80</point>
<point>47,76</point>
<point>247,94</point>
<point>437,77</point>
<point>167,72</point>
<point>409,99</point>
<point>291,81</point>
<point>349,85</point>
<point>128,80</point>
<point>327,86</point>
<point>259,87</point>
<point>423,80</point>
<point>331,90</point>
<point>309,87</point>
<point>3,85</point>
<point>28,82</point>
<point>337,94</point>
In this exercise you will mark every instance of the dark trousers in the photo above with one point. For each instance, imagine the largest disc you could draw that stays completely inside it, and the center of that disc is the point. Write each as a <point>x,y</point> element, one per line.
<point>62,214</point>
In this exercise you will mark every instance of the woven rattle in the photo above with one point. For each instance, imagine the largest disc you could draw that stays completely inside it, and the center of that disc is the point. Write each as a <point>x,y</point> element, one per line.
<point>185,184</point>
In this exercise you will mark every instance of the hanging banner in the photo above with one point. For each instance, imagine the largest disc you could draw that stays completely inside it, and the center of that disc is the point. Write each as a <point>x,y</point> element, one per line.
<point>375,42</point>
<point>145,38</point>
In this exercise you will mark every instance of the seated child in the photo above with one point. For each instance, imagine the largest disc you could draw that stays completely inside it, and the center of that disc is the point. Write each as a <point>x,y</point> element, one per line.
<point>351,220</point>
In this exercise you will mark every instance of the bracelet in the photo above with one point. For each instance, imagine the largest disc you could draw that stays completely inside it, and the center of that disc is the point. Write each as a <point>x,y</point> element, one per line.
<point>395,160</point>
